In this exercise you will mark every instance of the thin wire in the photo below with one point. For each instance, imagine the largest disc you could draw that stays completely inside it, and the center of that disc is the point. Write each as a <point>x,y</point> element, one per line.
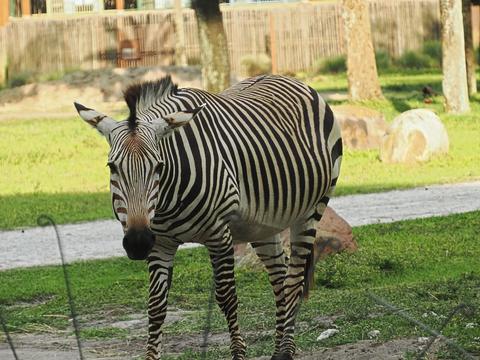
<point>208,324</point>
<point>408,317</point>
<point>432,339</point>
<point>7,334</point>
<point>45,220</point>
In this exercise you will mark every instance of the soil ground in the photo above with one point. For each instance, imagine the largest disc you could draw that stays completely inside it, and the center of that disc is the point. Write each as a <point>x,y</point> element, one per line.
<point>47,347</point>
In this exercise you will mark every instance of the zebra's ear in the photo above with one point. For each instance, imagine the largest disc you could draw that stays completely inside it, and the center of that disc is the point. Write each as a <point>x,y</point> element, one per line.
<point>181,118</point>
<point>102,123</point>
<point>175,120</point>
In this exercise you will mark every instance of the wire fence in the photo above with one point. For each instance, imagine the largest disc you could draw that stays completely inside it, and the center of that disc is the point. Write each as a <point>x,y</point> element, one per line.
<point>260,335</point>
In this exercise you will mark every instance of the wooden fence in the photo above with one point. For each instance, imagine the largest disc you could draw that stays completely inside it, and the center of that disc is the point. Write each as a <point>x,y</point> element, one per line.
<point>296,35</point>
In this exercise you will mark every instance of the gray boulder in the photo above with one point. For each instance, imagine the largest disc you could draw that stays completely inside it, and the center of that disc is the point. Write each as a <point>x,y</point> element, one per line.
<point>362,128</point>
<point>415,135</point>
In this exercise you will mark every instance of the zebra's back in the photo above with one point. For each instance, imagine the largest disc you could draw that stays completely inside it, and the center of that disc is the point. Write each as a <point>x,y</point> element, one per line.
<point>276,134</point>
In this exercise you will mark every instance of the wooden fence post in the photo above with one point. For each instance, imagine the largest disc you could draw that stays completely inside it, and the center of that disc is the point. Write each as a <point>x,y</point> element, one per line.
<point>120,4</point>
<point>273,44</point>
<point>4,14</point>
<point>26,8</point>
<point>180,56</point>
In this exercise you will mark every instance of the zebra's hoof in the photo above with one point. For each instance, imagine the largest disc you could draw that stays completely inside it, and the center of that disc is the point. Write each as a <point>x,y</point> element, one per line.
<point>282,356</point>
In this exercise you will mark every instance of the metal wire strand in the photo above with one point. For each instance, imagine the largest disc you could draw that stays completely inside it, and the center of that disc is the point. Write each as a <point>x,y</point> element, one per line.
<point>45,220</point>
<point>7,334</point>
<point>424,327</point>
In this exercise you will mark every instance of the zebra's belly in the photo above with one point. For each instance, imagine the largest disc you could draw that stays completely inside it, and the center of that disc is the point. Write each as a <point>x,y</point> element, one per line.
<point>244,231</point>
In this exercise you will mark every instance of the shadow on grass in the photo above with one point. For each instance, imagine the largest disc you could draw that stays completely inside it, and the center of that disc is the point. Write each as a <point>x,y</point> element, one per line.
<point>23,209</point>
<point>400,105</point>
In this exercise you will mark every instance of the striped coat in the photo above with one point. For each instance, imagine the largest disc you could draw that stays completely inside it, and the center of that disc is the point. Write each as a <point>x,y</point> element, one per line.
<point>239,166</point>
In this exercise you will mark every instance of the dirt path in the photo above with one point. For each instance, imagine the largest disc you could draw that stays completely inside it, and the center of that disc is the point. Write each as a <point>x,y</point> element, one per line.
<point>102,239</point>
<point>43,347</point>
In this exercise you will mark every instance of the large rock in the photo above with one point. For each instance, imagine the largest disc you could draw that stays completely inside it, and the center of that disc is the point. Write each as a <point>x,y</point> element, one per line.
<point>334,234</point>
<point>362,128</point>
<point>415,135</point>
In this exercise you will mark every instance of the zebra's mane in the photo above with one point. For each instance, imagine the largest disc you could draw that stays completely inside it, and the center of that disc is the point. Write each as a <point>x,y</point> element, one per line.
<point>140,97</point>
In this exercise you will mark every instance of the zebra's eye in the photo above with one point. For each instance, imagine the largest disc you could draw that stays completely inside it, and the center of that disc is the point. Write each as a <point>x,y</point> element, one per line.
<point>159,167</point>
<point>112,166</point>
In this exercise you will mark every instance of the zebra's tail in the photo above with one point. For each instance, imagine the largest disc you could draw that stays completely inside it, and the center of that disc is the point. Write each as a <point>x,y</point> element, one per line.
<point>335,149</point>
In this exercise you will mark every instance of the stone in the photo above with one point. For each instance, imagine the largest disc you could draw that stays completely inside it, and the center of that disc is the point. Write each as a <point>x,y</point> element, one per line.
<point>334,235</point>
<point>327,334</point>
<point>414,136</point>
<point>362,128</point>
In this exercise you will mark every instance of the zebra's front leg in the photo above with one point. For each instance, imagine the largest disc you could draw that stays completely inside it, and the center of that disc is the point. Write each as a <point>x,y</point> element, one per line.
<point>221,256</point>
<point>160,265</point>
<point>300,268</point>
<point>273,257</point>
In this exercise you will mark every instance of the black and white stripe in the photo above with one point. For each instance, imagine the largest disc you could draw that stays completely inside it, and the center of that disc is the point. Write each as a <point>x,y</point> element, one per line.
<point>240,166</point>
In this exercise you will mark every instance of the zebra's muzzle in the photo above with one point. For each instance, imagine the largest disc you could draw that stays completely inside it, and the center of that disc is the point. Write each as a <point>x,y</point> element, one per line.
<point>138,242</point>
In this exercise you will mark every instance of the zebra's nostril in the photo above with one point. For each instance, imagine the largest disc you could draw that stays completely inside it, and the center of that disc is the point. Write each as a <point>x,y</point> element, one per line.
<point>138,243</point>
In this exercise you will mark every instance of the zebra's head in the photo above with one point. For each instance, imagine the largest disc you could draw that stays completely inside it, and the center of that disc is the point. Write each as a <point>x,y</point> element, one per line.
<point>136,163</point>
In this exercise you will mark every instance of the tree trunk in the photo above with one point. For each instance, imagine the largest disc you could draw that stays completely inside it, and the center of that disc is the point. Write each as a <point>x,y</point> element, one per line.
<point>469,48</point>
<point>213,45</point>
<point>454,81</point>
<point>362,73</point>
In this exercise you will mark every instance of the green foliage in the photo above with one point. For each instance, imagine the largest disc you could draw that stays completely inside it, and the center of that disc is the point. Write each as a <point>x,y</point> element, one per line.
<point>332,65</point>
<point>254,65</point>
<point>433,49</point>
<point>19,80</point>
<point>24,78</point>
<point>423,266</point>
<point>429,57</point>
<point>414,60</point>
<point>383,61</point>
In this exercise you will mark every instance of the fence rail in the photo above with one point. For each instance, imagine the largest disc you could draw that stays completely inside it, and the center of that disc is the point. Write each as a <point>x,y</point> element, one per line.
<point>296,35</point>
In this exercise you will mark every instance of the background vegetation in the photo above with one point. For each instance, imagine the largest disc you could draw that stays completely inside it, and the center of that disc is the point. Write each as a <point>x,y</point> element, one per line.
<point>58,166</point>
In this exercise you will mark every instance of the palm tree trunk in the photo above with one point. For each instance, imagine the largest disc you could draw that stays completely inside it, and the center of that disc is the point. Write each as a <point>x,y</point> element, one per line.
<point>454,82</point>
<point>362,73</point>
<point>213,45</point>
<point>469,48</point>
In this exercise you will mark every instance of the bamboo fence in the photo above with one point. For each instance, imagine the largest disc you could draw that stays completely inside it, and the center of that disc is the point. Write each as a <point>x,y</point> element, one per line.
<point>295,36</point>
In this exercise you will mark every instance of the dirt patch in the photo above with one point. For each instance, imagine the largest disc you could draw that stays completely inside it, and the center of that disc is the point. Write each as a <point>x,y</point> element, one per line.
<point>46,347</point>
<point>100,89</point>
<point>130,344</point>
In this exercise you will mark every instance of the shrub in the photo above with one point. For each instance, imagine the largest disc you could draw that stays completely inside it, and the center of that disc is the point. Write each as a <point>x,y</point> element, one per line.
<point>383,60</point>
<point>414,60</point>
<point>254,65</point>
<point>333,65</point>
<point>19,80</point>
<point>433,49</point>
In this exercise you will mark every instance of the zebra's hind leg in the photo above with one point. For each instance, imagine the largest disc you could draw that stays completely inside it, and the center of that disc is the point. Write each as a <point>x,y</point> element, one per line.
<point>221,256</point>
<point>300,271</point>
<point>273,257</point>
<point>160,264</point>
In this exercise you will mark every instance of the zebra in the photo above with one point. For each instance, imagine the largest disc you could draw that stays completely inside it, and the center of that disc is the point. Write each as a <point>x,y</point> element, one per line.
<point>220,169</point>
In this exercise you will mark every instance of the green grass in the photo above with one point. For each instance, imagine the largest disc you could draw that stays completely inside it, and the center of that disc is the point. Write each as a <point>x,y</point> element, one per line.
<point>362,171</point>
<point>423,266</point>
<point>58,166</point>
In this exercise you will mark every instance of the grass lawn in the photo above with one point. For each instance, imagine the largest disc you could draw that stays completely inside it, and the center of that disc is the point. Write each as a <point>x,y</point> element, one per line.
<point>425,266</point>
<point>58,166</point>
